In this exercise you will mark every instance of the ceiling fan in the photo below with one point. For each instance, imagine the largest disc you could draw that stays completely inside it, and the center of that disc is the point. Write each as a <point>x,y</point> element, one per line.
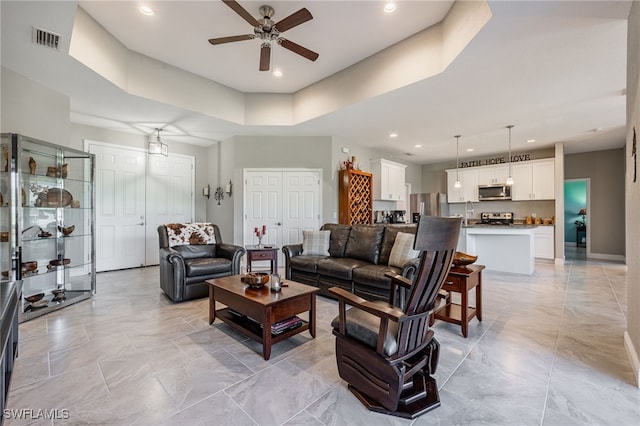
<point>268,31</point>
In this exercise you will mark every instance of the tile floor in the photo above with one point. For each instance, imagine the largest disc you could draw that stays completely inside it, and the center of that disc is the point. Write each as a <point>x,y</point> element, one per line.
<point>549,351</point>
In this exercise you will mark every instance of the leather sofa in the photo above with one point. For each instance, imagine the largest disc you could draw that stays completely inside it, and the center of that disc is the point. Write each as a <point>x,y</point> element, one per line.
<point>357,261</point>
<point>185,267</point>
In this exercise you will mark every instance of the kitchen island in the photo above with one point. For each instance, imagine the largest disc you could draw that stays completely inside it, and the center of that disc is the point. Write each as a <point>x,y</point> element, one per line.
<point>504,248</point>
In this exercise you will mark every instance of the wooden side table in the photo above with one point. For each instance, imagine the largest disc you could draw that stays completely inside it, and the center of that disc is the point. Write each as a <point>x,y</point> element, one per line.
<point>462,280</point>
<point>255,253</point>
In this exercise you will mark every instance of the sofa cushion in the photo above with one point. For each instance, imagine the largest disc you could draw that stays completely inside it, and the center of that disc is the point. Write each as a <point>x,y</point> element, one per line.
<point>190,233</point>
<point>196,251</point>
<point>339,238</point>
<point>315,243</point>
<point>305,263</point>
<point>402,251</point>
<point>364,327</point>
<point>373,275</point>
<point>390,232</point>
<point>207,266</point>
<point>364,243</point>
<point>339,267</point>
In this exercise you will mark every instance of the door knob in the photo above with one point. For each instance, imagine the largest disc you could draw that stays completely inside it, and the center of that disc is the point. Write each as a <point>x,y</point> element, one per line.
<point>141,223</point>
<point>278,223</point>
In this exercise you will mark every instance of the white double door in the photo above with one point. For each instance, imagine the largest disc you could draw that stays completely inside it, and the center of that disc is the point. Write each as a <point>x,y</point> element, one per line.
<point>135,193</point>
<point>286,202</point>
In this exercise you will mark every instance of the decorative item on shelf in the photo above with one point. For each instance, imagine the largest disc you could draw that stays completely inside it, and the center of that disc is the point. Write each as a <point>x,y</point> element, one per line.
<point>34,297</point>
<point>24,197</point>
<point>157,147</point>
<point>35,231</point>
<point>75,204</point>
<point>229,188</point>
<point>510,178</point>
<point>260,233</point>
<point>457,183</point>
<point>463,259</point>
<point>57,197</point>
<point>58,295</point>
<point>66,231</point>
<point>349,164</point>
<point>58,262</point>
<point>58,172</point>
<point>29,266</point>
<point>256,279</point>
<point>32,166</point>
<point>219,195</point>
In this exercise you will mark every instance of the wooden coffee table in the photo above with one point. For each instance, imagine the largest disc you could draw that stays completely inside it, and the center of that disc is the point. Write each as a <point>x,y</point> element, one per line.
<point>255,310</point>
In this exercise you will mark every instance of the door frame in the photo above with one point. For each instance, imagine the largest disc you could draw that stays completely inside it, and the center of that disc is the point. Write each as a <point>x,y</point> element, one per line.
<point>588,203</point>
<point>88,142</point>
<point>245,173</point>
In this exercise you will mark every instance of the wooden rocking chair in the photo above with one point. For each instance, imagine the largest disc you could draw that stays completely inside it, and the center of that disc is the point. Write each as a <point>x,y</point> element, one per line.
<point>387,354</point>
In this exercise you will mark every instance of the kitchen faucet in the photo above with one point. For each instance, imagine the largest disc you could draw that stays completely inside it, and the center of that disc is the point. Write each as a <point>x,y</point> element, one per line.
<point>467,211</point>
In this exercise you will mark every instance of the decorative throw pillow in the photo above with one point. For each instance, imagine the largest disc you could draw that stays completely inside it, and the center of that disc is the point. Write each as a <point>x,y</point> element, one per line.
<point>402,251</point>
<point>315,243</point>
<point>181,234</point>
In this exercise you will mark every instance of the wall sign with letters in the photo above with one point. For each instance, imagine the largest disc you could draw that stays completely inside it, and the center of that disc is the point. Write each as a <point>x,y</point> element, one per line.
<point>516,158</point>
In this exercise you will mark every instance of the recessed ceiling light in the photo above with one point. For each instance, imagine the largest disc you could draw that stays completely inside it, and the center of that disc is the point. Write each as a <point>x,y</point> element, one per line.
<point>145,10</point>
<point>389,7</point>
<point>531,141</point>
<point>393,135</point>
<point>469,149</point>
<point>277,73</point>
<point>418,146</point>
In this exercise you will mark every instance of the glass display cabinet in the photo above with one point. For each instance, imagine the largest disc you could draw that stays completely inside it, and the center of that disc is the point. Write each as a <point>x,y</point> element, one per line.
<point>50,220</point>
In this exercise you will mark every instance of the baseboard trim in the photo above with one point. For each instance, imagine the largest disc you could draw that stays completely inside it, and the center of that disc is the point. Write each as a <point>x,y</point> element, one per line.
<point>559,261</point>
<point>633,357</point>
<point>604,256</point>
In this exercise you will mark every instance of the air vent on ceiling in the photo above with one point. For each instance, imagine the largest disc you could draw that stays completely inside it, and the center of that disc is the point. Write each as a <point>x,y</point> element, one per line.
<point>46,38</point>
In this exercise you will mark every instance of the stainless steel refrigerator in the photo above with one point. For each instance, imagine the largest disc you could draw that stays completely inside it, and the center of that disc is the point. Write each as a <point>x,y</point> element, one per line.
<point>430,204</point>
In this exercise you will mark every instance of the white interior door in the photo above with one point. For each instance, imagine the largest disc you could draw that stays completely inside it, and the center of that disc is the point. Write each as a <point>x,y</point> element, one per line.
<point>285,201</point>
<point>301,204</point>
<point>170,192</point>
<point>263,207</point>
<point>120,207</point>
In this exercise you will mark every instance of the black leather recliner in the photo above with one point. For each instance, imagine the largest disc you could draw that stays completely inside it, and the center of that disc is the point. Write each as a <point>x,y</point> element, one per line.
<point>185,268</point>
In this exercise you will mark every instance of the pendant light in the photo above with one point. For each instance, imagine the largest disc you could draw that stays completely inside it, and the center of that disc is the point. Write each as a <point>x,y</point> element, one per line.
<point>157,147</point>
<point>510,178</point>
<point>457,182</point>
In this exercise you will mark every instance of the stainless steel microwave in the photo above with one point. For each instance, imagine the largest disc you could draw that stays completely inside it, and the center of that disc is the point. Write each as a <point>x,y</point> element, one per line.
<point>494,192</point>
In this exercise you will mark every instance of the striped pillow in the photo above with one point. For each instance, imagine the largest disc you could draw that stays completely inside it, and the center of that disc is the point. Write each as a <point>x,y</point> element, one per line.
<point>315,243</point>
<point>402,251</point>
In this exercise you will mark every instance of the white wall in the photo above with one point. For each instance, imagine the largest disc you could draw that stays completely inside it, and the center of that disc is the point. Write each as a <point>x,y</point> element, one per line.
<point>632,335</point>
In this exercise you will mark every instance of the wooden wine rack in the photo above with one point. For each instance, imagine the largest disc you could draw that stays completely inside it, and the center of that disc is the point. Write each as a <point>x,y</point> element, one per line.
<point>355,197</point>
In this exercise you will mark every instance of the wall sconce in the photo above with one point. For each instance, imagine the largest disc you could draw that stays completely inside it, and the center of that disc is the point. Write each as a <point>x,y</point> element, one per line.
<point>206,191</point>
<point>219,195</point>
<point>229,188</point>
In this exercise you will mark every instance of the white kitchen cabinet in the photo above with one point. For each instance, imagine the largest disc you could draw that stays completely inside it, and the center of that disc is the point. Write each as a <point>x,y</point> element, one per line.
<point>533,180</point>
<point>544,242</point>
<point>492,175</point>
<point>388,180</point>
<point>468,190</point>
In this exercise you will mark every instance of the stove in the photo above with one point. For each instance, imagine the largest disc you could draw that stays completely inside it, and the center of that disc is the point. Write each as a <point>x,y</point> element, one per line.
<point>497,218</point>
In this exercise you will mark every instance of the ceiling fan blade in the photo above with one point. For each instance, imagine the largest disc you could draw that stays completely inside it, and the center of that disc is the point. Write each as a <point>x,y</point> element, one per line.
<point>265,57</point>
<point>242,12</point>
<point>221,40</point>
<point>293,20</point>
<point>296,48</point>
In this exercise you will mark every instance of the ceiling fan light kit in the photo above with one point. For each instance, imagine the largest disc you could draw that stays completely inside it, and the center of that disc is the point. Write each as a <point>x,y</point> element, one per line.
<point>269,31</point>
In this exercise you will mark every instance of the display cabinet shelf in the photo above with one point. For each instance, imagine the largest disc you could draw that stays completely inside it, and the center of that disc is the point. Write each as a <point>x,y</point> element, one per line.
<point>55,189</point>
